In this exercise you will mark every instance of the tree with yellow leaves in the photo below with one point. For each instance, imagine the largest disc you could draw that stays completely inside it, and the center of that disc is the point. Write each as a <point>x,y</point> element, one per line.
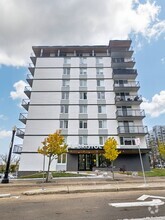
<point>161,148</point>
<point>111,152</point>
<point>53,146</point>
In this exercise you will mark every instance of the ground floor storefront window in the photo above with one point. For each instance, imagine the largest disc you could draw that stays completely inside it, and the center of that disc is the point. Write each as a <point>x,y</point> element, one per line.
<point>91,161</point>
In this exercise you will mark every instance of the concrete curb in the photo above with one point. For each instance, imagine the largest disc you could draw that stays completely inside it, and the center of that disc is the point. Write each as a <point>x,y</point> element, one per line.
<point>94,190</point>
<point>5,195</point>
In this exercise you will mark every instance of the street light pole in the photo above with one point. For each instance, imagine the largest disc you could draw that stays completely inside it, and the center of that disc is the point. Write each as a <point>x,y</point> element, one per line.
<point>6,178</point>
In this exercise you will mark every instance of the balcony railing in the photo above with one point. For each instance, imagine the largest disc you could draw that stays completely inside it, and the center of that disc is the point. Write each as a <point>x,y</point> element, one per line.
<point>29,79</point>
<point>132,130</point>
<point>128,113</point>
<point>131,85</point>
<point>122,63</point>
<point>124,73</point>
<point>20,132</point>
<point>27,91</point>
<point>25,103</point>
<point>128,99</point>
<point>23,117</point>
<point>17,149</point>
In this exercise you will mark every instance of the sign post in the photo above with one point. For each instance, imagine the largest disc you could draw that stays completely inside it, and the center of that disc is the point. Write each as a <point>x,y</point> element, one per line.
<point>137,141</point>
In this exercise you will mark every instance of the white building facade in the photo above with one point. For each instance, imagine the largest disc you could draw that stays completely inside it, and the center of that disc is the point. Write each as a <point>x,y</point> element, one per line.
<point>90,93</point>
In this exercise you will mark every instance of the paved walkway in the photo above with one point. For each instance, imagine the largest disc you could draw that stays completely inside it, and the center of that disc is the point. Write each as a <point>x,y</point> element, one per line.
<point>90,183</point>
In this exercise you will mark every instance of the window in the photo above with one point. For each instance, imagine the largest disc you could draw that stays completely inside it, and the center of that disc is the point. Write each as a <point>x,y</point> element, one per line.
<point>83,60</point>
<point>99,71</point>
<point>102,109</point>
<point>83,109</point>
<point>63,124</point>
<point>83,71</point>
<point>100,82</point>
<point>52,54</point>
<point>65,95</point>
<point>65,82</point>
<point>102,124</point>
<point>83,140</point>
<point>101,95</point>
<point>83,82</point>
<point>127,141</point>
<point>62,158</point>
<point>102,140</point>
<point>67,60</point>
<point>117,60</point>
<point>66,71</point>
<point>64,108</point>
<point>83,95</point>
<point>99,60</point>
<point>83,124</point>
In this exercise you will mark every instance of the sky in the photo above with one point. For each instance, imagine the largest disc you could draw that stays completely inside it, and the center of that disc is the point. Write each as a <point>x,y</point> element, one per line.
<point>25,23</point>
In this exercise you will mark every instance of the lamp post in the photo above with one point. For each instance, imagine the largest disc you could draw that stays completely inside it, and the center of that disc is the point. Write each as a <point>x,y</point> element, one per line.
<point>6,178</point>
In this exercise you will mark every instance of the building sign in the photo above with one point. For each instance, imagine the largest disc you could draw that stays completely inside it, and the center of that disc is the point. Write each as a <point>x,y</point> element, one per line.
<point>87,147</point>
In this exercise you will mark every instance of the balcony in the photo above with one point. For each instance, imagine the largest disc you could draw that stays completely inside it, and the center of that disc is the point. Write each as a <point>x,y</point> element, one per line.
<point>132,130</point>
<point>20,132</point>
<point>29,79</point>
<point>124,73</point>
<point>17,149</point>
<point>31,69</point>
<point>128,100</point>
<point>33,59</point>
<point>27,91</point>
<point>129,86</point>
<point>121,52</point>
<point>129,114</point>
<point>23,117</point>
<point>25,104</point>
<point>120,63</point>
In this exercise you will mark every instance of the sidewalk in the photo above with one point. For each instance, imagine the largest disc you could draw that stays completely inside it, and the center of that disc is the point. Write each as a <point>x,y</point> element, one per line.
<point>90,183</point>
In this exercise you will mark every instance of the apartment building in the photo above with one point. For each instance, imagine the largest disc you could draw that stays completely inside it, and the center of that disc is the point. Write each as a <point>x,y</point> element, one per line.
<point>90,93</point>
<point>153,138</point>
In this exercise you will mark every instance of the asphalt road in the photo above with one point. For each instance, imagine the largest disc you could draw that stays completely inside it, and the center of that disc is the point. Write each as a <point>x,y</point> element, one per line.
<point>85,206</point>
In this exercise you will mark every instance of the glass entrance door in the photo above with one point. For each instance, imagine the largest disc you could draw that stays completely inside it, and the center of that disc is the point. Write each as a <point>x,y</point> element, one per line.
<point>84,162</point>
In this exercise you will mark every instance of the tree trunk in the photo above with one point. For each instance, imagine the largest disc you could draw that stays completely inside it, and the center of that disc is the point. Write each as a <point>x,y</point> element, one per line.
<point>112,170</point>
<point>47,175</point>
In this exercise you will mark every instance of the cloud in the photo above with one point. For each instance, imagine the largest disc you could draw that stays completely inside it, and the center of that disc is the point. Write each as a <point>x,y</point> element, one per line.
<point>163,60</point>
<point>4,134</point>
<point>19,93</point>
<point>156,107</point>
<point>34,22</point>
<point>3,117</point>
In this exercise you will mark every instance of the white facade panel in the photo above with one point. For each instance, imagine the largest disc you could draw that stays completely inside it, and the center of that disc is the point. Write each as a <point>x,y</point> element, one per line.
<point>43,127</point>
<point>107,72</point>
<point>49,62</point>
<point>92,111</point>
<point>47,85</point>
<point>93,126</point>
<point>44,112</point>
<point>112,127</point>
<point>73,111</point>
<point>111,111</point>
<point>73,127</point>
<point>45,98</point>
<point>48,73</point>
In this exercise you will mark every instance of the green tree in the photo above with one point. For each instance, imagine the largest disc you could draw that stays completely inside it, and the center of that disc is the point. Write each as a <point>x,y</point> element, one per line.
<point>53,146</point>
<point>161,148</point>
<point>110,151</point>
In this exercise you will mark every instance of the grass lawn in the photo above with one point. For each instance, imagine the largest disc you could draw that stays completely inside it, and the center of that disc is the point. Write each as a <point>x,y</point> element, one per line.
<point>55,174</point>
<point>154,172</point>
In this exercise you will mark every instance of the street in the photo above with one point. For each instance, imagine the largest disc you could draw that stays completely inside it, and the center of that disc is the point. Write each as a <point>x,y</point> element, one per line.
<point>82,206</point>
